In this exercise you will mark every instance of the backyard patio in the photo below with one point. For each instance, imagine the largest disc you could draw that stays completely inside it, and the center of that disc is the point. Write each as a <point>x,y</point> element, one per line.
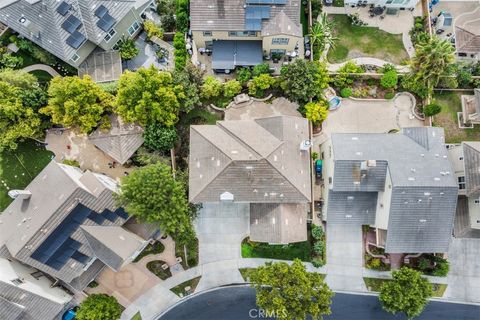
<point>156,52</point>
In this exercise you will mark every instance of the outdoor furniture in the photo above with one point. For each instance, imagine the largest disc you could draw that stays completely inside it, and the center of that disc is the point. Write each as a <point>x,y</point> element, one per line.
<point>377,11</point>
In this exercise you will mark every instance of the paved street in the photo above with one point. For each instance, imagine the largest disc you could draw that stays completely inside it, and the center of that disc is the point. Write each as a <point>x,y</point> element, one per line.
<point>238,303</point>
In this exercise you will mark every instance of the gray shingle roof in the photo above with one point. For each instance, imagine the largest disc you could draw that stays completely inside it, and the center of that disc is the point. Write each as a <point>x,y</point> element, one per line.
<point>211,15</point>
<point>120,141</point>
<point>424,188</point>
<point>352,207</point>
<point>278,223</point>
<point>252,159</point>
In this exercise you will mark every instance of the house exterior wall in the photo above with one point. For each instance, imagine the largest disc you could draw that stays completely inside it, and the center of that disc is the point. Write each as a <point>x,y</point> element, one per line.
<point>474,212</point>
<point>327,173</point>
<point>268,44</point>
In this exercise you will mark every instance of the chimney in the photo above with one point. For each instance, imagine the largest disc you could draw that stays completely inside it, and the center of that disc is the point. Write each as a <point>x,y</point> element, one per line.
<point>19,194</point>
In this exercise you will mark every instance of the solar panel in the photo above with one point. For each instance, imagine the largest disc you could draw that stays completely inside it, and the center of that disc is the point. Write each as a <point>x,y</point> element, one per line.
<point>95,217</point>
<point>101,11</point>
<point>80,257</point>
<point>106,22</point>
<point>253,24</point>
<point>109,215</point>
<point>257,12</point>
<point>75,40</point>
<point>121,213</point>
<point>71,24</point>
<point>63,8</point>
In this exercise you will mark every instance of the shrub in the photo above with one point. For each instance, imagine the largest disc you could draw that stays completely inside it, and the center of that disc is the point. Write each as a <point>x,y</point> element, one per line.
<point>441,267</point>
<point>464,78</point>
<point>211,88</point>
<point>314,156</point>
<point>375,263</point>
<point>182,22</point>
<point>231,88</point>
<point>10,61</point>
<point>159,137</point>
<point>168,22</point>
<point>258,85</point>
<point>389,95</point>
<point>259,69</point>
<point>389,79</point>
<point>346,92</point>
<point>431,109</point>
<point>319,248</point>
<point>423,264</point>
<point>71,162</point>
<point>152,29</point>
<point>180,51</point>
<point>99,306</point>
<point>317,231</point>
<point>345,76</point>
<point>243,75</point>
<point>127,48</point>
<point>318,262</point>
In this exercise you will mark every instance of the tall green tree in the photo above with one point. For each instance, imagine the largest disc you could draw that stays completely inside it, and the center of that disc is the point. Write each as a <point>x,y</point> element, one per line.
<point>321,34</point>
<point>302,80</point>
<point>152,195</point>
<point>76,102</point>
<point>190,78</point>
<point>99,307</point>
<point>290,292</point>
<point>211,88</point>
<point>19,78</point>
<point>408,292</point>
<point>434,58</point>
<point>316,112</point>
<point>16,120</point>
<point>147,96</point>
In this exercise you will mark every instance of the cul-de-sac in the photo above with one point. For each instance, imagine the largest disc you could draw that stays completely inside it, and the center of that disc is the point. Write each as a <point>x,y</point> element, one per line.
<point>239,159</point>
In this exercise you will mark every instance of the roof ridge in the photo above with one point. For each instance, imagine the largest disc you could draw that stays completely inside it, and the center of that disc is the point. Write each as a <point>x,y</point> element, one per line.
<point>237,138</point>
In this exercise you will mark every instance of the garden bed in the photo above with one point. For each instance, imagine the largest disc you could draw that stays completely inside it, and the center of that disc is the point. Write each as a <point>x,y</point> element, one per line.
<point>375,263</point>
<point>430,264</point>
<point>192,254</point>
<point>245,272</point>
<point>155,248</point>
<point>180,289</point>
<point>300,250</point>
<point>155,267</point>
<point>356,41</point>
<point>375,285</point>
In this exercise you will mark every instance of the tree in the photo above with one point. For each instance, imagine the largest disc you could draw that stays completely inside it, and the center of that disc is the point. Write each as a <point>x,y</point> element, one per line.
<point>408,292</point>
<point>19,78</point>
<point>8,60</point>
<point>316,112</point>
<point>128,49</point>
<point>99,307</point>
<point>76,102</point>
<point>258,85</point>
<point>259,69</point>
<point>321,35</point>
<point>389,79</point>
<point>147,96</point>
<point>290,292</point>
<point>152,195</point>
<point>190,78</point>
<point>158,137</point>
<point>302,80</point>
<point>431,109</point>
<point>211,88</point>
<point>231,88</point>
<point>243,75</point>
<point>434,58</point>
<point>16,120</point>
<point>152,29</point>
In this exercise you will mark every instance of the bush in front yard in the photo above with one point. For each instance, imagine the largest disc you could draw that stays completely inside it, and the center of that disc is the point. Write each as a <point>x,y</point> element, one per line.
<point>441,267</point>
<point>389,79</point>
<point>346,92</point>
<point>243,75</point>
<point>319,248</point>
<point>317,231</point>
<point>431,109</point>
<point>389,95</point>
<point>318,262</point>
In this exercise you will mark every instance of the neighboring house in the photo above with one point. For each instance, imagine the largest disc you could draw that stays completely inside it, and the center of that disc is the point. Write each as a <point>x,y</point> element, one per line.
<point>392,5</point>
<point>401,184</point>
<point>242,32</point>
<point>72,29</point>
<point>264,163</point>
<point>65,226</point>
<point>120,141</point>
<point>467,35</point>
<point>465,159</point>
<point>471,109</point>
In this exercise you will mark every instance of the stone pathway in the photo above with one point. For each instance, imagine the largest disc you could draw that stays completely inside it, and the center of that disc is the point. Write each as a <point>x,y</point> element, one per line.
<point>408,44</point>
<point>42,67</point>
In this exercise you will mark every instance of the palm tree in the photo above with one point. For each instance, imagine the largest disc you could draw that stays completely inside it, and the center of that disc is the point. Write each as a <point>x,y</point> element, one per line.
<point>321,34</point>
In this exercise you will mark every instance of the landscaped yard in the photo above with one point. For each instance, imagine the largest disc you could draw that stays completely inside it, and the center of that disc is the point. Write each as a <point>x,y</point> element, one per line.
<point>374,284</point>
<point>19,167</point>
<point>300,250</point>
<point>355,41</point>
<point>155,267</point>
<point>180,289</point>
<point>155,248</point>
<point>447,118</point>
<point>42,76</point>
<point>192,254</point>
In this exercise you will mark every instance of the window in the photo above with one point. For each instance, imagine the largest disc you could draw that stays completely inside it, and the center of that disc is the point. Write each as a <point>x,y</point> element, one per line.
<point>117,44</point>
<point>207,33</point>
<point>17,281</point>
<point>133,28</point>
<point>461,158</point>
<point>278,52</point>
<point>242,33</point>
<point>75,57</point>
<point>461,183</point>
<point>280,41</point>
<point>477,201</point>
<point>109,35</point>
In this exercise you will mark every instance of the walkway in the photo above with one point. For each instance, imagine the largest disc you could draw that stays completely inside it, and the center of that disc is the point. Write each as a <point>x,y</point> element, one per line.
<point>367,61</point>
<point>42,67</point>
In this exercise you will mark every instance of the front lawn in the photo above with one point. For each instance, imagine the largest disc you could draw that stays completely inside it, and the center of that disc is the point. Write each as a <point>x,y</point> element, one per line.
<point>355,41</point>
<point>300,250</point>
<point>375,284</point>
<point>451,104</point>
<point>155,267</point>
<point>180,289</point>
<point>19,167</point>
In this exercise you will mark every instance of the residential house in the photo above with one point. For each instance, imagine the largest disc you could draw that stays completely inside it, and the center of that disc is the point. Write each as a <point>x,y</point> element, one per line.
<point>64,227</point>
<point>262,163</point>
<point>72,29</point>
<point>242,32</point>
<point>465,158</point>
<point>467,35</point>
<point>401,184</point>
<point>470,114</point>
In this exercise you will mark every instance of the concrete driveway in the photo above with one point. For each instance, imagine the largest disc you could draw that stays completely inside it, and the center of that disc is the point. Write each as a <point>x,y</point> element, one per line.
<point>221,227</point>
<point>464,276</point>
<point>344,257</point>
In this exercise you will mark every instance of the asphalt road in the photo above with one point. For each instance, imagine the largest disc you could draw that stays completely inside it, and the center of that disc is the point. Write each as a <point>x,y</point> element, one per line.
<point>238,303</point>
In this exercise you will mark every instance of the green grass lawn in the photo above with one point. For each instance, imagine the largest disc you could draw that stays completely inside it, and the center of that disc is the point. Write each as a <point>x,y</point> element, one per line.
<point>300,250</point>
<point>19,167</point>
<point>338,3</point>
<point>451,104</point>
<point>180,289</point>
<point>374,284</point>
<point>42,76</point>
<point>355,41</point>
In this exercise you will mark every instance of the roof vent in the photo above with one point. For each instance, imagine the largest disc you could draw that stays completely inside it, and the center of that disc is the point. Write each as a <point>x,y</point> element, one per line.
<point>422,220</point>
<point>226,196</point>
<point>411,179</point>
<point>19,194</point>
<point>355,138</point>
<point>305,145</point>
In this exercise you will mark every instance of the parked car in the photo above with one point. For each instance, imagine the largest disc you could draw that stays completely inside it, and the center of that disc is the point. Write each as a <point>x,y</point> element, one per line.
<point>70,314</point>
<point>318,168</point>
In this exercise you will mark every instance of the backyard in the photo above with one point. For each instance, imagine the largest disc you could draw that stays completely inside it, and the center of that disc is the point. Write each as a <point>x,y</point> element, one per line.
<point>447,118</point>
<point>356,41</point>
<point>19,167</point>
